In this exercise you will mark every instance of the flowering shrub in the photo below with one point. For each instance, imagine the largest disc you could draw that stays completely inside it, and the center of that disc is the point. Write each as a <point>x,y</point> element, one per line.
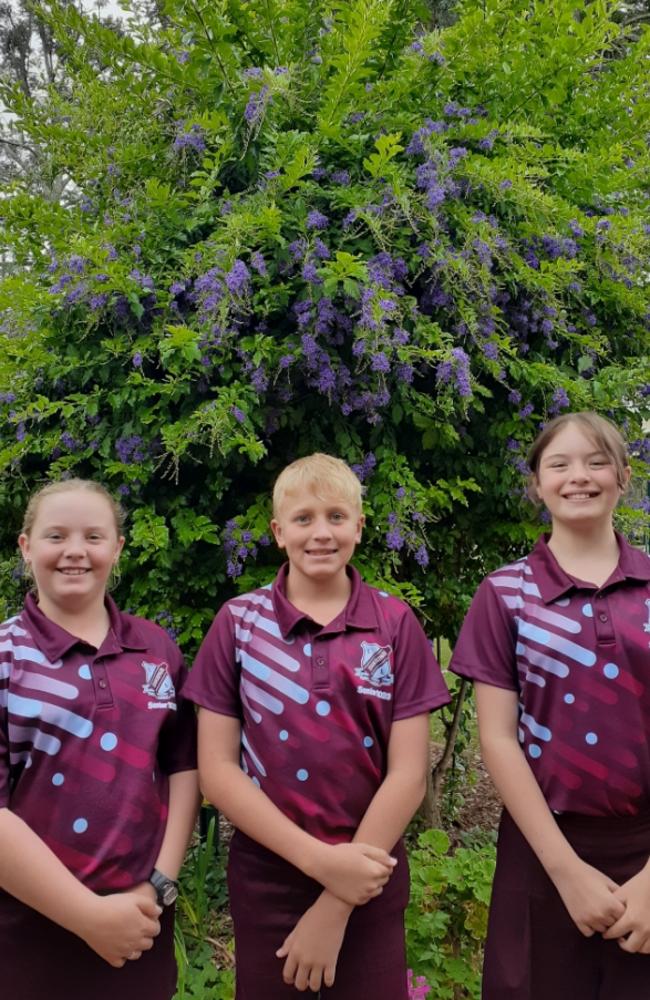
<point>294,226</point>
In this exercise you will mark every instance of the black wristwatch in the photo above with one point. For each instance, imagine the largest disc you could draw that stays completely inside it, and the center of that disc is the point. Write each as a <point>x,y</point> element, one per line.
<point>166,888</point>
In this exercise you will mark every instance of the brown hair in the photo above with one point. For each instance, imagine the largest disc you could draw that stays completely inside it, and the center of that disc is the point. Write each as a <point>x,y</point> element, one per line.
<point>605,435</point>
<point>325,475</point>
<point>69,486</point>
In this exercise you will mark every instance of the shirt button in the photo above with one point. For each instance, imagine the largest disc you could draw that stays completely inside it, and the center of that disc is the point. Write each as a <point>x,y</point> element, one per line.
<point>320,661</point>
<point>602,616</point>
<point>102,684</point>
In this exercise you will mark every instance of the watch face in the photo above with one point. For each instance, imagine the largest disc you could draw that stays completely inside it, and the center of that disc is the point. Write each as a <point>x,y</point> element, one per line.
<point>169,894</point>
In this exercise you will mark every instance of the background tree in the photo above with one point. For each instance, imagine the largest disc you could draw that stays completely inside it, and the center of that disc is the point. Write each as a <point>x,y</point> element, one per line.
<point>310,225</point>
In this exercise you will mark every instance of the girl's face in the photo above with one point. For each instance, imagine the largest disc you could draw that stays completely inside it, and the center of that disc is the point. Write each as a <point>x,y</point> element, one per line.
<point>71,549</point>
<point>576,480</point>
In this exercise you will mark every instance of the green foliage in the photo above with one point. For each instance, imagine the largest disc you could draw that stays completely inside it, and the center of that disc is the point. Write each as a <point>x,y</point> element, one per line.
<point>446,919</point>
<point>291,226</point>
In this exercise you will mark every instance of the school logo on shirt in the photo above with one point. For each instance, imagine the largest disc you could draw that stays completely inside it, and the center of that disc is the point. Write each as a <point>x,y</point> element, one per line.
<point>159,685</point>
<point>376,670</point>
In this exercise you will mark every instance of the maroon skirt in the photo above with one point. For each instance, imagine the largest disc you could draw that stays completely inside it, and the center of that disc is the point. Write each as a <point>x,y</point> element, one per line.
<point>39,960</point>
<point>267,898</point>
<point>533,950</point>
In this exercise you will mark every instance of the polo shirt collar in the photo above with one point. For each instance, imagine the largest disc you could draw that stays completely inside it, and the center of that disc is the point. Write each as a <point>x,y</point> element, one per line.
<point>55,641</point>
<point>554,582</point>
<point>359,612</point>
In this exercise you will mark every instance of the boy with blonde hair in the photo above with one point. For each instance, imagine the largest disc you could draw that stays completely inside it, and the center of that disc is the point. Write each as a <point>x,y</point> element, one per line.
<point>314,695</point>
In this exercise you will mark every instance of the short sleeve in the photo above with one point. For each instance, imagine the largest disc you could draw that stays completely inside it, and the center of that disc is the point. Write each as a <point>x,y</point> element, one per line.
<point>486,647</point>
<point>177,745</point>
<point>419,684</point>
<point>213,682</point>
<point>4,739</point>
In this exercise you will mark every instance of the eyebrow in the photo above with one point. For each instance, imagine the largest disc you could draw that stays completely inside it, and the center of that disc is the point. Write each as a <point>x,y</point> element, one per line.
<point>598,451</point>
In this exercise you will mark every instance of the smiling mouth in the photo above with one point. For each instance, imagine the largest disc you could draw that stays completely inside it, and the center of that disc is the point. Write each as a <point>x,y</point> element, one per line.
<point>74,572</point>
<point>321,552</point>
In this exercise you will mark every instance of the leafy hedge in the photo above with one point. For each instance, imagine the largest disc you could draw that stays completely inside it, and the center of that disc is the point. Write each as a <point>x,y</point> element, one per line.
<point>308,225</point>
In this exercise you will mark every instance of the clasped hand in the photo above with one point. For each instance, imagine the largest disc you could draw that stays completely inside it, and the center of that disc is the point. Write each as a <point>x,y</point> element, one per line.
<point>355,872</point>
<point>123,925</point>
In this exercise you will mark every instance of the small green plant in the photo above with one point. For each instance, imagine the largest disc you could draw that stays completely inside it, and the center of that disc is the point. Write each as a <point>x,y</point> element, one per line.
<point>200,933</point>
<point>446,919</point>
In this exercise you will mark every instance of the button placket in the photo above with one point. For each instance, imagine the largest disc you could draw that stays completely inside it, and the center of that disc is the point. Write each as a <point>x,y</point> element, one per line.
<point>605,635</point>
<point>103,693</point>
<point>320,665</point>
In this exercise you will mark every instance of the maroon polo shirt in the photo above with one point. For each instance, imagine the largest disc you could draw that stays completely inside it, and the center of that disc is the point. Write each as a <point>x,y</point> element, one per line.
<point>316,703</point>
<point>579,658</point>
<point>88,738</point>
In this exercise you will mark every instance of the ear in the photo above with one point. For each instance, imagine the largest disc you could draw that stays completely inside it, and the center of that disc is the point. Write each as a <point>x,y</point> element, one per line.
<point>360,525</point>
<point>627,475</point>
<point>23,542</point>
<point>120,546</point>
<point>276,528</point>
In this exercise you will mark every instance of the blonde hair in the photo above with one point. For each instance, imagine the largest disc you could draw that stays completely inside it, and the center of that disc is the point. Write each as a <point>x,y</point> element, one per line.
<point>69,486</point>
<point>325,476</point>
<point>604,434</point>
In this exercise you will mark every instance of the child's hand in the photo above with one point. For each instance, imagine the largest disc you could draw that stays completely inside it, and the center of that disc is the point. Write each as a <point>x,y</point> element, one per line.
<point>312,948</point>
<point>353,872</point>
<point>122,926</point>
<point>590,897</point>
<point>633,928</point>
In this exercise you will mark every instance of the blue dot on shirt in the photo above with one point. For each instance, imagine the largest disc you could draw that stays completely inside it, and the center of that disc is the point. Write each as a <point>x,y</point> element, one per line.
<point>323,708</point>
<point>84,672</point>
<point>256,781</point>
<point>284,735</point>
<point>108,741</point>
<point>368,741</point>
<point>611,671</point>
<point>80,825</point>
<point>591,739</point>
<point>307,649</point>
<point>382,593</point>
<point>534,750</point>
<point>58,779</point>
<point>302,775</point>
<point>569,699</point>
<point>587,611</point>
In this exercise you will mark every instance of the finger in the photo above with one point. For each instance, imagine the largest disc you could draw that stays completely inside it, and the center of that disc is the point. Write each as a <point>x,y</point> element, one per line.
<point>117,963</point>
<point>632,943</point>
<point>301,981</point>
<point>134,956</point>
<point>329,975</point>
<point>620,928</point>
<point>379,855</point>
<point>146,945</point>
<point>315,979</point>
<point>585,929</point>
<point>289,970</point>
<point>611,884</point>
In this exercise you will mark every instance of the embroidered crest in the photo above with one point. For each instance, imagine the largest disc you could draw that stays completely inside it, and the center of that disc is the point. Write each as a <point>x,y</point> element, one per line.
<point>375,666</point>
<point>158,684</point>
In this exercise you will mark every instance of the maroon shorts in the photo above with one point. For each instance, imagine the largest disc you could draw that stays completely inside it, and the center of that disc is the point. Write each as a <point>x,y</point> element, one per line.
<point>267,898</point>
<point>41,961</point>
<point>533,950</point>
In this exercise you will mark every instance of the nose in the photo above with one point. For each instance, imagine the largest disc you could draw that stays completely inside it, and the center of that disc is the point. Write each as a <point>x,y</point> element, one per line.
<point>579,473</point>
<point>322,528</point>
<point>74,547</point>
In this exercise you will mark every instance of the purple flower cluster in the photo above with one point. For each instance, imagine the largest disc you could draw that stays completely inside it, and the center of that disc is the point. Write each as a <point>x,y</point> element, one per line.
<point>256,106</point>
<point>192,139</point>
<point>365,468</point>
<point>316,220</point>
<point>130,449</point>
<point>238,279</point>
<point>239,545</point>
<point>458,368</point>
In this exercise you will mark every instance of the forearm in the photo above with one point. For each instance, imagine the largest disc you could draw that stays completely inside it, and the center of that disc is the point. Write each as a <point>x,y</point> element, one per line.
<point>32,873</point>
<point>251,811</point>
<point>184,799</point>
<point>391,809</point>
<point>525,802</point>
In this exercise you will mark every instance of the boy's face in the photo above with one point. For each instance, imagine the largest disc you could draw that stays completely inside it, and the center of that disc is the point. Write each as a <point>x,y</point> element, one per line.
<point>319,535</point>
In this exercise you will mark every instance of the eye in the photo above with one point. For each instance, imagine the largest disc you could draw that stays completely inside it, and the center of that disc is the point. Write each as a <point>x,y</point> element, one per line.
<point>337,516</point>
<point>54,536</point>
<point>301,518</point>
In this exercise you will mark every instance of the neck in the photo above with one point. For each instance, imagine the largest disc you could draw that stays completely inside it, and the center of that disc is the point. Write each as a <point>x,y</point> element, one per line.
<point>88,623</point>
<point>590,554</point>
<point>306,593</point>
